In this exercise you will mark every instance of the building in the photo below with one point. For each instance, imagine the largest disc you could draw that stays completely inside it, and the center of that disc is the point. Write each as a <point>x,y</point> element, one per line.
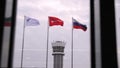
<point>58,53</point>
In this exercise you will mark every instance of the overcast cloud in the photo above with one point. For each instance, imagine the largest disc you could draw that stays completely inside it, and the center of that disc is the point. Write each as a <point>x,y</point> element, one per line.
<point>35,39</point>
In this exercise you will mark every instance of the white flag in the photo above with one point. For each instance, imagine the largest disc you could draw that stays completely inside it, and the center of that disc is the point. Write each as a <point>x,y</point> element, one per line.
<point>31,21</point>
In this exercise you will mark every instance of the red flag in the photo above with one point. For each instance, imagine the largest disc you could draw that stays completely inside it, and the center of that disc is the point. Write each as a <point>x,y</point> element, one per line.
<point>55,21</point>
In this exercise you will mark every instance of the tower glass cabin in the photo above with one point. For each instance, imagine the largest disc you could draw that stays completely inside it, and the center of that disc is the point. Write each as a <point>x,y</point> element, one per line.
<point>58,53</point>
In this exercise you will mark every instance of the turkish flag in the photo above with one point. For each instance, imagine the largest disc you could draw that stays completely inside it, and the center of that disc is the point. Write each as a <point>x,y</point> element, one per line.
<point>55,21</point>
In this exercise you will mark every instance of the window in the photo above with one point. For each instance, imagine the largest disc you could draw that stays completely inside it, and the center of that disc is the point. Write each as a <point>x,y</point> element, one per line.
<point>117,14</point>
<point>31,41</point>
<point>5,46</point>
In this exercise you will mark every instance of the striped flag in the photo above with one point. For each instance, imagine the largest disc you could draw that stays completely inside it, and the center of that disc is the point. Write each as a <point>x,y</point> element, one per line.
<point>7,22</point>
<point>78,25</point>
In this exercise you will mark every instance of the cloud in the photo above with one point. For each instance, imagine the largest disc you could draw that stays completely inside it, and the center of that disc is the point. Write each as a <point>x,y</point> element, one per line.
<point>63,9</point>
<point>55,7</point>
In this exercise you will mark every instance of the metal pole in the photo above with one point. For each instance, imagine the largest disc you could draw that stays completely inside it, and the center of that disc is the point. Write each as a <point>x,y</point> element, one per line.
<point>23,43</point>
<point>47,46</point>
<point>72,47</point>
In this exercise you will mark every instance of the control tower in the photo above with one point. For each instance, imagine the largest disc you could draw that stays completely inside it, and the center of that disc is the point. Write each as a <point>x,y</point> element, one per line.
<point>58,53</point>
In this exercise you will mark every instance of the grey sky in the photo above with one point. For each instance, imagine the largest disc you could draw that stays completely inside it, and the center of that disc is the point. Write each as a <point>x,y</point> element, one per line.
<point>36,36</point>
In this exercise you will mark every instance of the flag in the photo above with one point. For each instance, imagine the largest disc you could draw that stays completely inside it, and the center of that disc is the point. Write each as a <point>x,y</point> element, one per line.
<point>7,21</point>
<point>78,25</point>
<point>31,21</point>
<point>55,21</point>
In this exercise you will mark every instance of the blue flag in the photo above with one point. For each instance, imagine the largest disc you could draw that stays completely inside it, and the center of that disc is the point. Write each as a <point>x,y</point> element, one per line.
<point>31,21</point>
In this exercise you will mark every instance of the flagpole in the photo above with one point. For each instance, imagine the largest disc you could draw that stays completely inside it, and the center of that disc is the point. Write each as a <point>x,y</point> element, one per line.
<point>23,43</point>
<point>72,47</point>
<point>47,46</point>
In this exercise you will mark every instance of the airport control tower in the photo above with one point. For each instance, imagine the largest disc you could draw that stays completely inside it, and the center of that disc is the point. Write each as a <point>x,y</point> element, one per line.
<point>58,53</point>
